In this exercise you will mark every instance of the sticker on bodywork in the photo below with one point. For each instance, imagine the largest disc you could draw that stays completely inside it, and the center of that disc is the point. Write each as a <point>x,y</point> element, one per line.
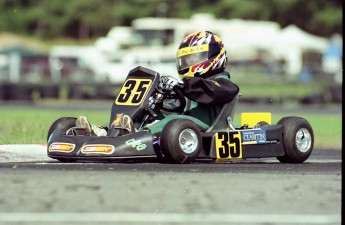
<point>228,145</point>
<point>116,122</point>
<point>133,92</point>
<point>98,149</point>
<point>253,136</point>
<point>138,145</point>
<point>61,147</point>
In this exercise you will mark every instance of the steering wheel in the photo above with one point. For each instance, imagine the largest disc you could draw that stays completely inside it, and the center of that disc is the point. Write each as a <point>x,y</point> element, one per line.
<point>175,94</point>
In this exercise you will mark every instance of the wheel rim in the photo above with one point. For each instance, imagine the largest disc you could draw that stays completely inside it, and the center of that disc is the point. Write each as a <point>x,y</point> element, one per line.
<point>303,140</point>
<point>188,141</point>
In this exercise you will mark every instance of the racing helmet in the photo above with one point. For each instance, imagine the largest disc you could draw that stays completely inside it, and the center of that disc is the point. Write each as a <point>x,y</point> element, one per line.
<point>201,54</point>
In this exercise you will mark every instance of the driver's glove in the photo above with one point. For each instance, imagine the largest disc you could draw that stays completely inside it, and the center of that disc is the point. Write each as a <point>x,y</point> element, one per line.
<point>168,83</point>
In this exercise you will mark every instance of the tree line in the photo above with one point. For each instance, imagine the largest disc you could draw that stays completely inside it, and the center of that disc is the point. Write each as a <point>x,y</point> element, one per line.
<point>85,19</point>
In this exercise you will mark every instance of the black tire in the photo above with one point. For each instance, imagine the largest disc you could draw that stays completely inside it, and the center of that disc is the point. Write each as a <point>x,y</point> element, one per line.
<point>181,141</point>
<point>298,139</point>
<point>65,123</point>
<point>262,123</point>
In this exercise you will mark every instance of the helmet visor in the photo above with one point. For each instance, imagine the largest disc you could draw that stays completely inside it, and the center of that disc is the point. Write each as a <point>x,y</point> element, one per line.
<point>189,56</point>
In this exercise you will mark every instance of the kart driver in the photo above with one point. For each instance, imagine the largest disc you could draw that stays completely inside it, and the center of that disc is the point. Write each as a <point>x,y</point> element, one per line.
<point>201,61</point>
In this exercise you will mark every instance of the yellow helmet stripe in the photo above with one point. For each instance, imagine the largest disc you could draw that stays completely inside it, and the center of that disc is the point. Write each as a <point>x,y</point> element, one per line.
<point>192,50</point>
<point>217,39</point>
<point>201,34</point>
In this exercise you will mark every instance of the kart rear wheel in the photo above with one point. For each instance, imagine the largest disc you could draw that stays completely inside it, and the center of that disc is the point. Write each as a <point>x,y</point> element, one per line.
<point>181,141</point>
<point>298,139</point>
<point>261,124</point>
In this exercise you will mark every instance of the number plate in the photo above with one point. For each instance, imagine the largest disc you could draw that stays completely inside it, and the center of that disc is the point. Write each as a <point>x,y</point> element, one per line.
<point>133,92</point>
<point>228,145</point>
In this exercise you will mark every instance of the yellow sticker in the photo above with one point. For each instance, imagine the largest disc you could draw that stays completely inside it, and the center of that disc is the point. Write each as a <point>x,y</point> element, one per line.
<point>116,121</point>
<point>98,149</point>
<point>192,50</point>
<point>61,147</point>
<point>133,92</point>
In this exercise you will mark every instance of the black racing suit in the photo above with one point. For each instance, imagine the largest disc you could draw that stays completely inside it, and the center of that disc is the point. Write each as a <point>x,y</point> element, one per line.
<point>206,96</point>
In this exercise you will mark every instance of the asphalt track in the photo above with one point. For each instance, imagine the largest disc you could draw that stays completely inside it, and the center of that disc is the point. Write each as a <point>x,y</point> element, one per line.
<point>35,189</point>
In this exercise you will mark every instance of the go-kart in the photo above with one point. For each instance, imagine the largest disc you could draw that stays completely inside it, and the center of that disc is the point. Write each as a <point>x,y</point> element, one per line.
<point>181,141</point>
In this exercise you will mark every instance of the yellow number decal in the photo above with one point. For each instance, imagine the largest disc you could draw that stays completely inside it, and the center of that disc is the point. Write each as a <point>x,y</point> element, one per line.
<point>228,145</point>
<point>133,92</point>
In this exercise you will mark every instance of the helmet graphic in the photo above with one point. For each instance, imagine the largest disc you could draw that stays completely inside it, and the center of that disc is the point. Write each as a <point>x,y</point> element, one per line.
<point>201,54</point>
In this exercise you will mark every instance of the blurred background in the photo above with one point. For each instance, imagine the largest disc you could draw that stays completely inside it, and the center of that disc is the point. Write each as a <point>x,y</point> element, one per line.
<point>279,51</point>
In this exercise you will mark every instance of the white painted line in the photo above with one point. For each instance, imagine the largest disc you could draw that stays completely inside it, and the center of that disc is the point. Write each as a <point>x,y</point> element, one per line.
<point>171,218</point>
<point>23,153</point>
<point>24,149</point>
<point>307,161</point>
<point>323,161</point>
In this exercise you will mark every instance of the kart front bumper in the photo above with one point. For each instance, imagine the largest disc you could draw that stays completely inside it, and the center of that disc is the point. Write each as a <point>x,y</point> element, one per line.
<point>139,144</point>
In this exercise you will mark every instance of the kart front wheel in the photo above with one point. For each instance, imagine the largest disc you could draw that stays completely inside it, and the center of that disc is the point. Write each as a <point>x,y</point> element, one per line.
<point>63,123</point>
<point>298,139</point>
<point>181,141</point>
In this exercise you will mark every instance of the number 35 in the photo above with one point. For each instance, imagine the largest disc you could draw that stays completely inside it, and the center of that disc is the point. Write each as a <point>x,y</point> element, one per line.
<point>228,145</point>
<point>133,92</point>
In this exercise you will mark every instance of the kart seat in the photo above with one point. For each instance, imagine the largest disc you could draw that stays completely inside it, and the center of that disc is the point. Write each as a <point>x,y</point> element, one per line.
<point>221,123</point>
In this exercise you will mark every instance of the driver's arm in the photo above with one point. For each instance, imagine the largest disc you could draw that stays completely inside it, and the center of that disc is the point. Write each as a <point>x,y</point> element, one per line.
<point>209,91</point>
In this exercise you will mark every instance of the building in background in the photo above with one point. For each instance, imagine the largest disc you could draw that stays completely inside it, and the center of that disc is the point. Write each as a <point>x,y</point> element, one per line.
<point>152,42</point>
